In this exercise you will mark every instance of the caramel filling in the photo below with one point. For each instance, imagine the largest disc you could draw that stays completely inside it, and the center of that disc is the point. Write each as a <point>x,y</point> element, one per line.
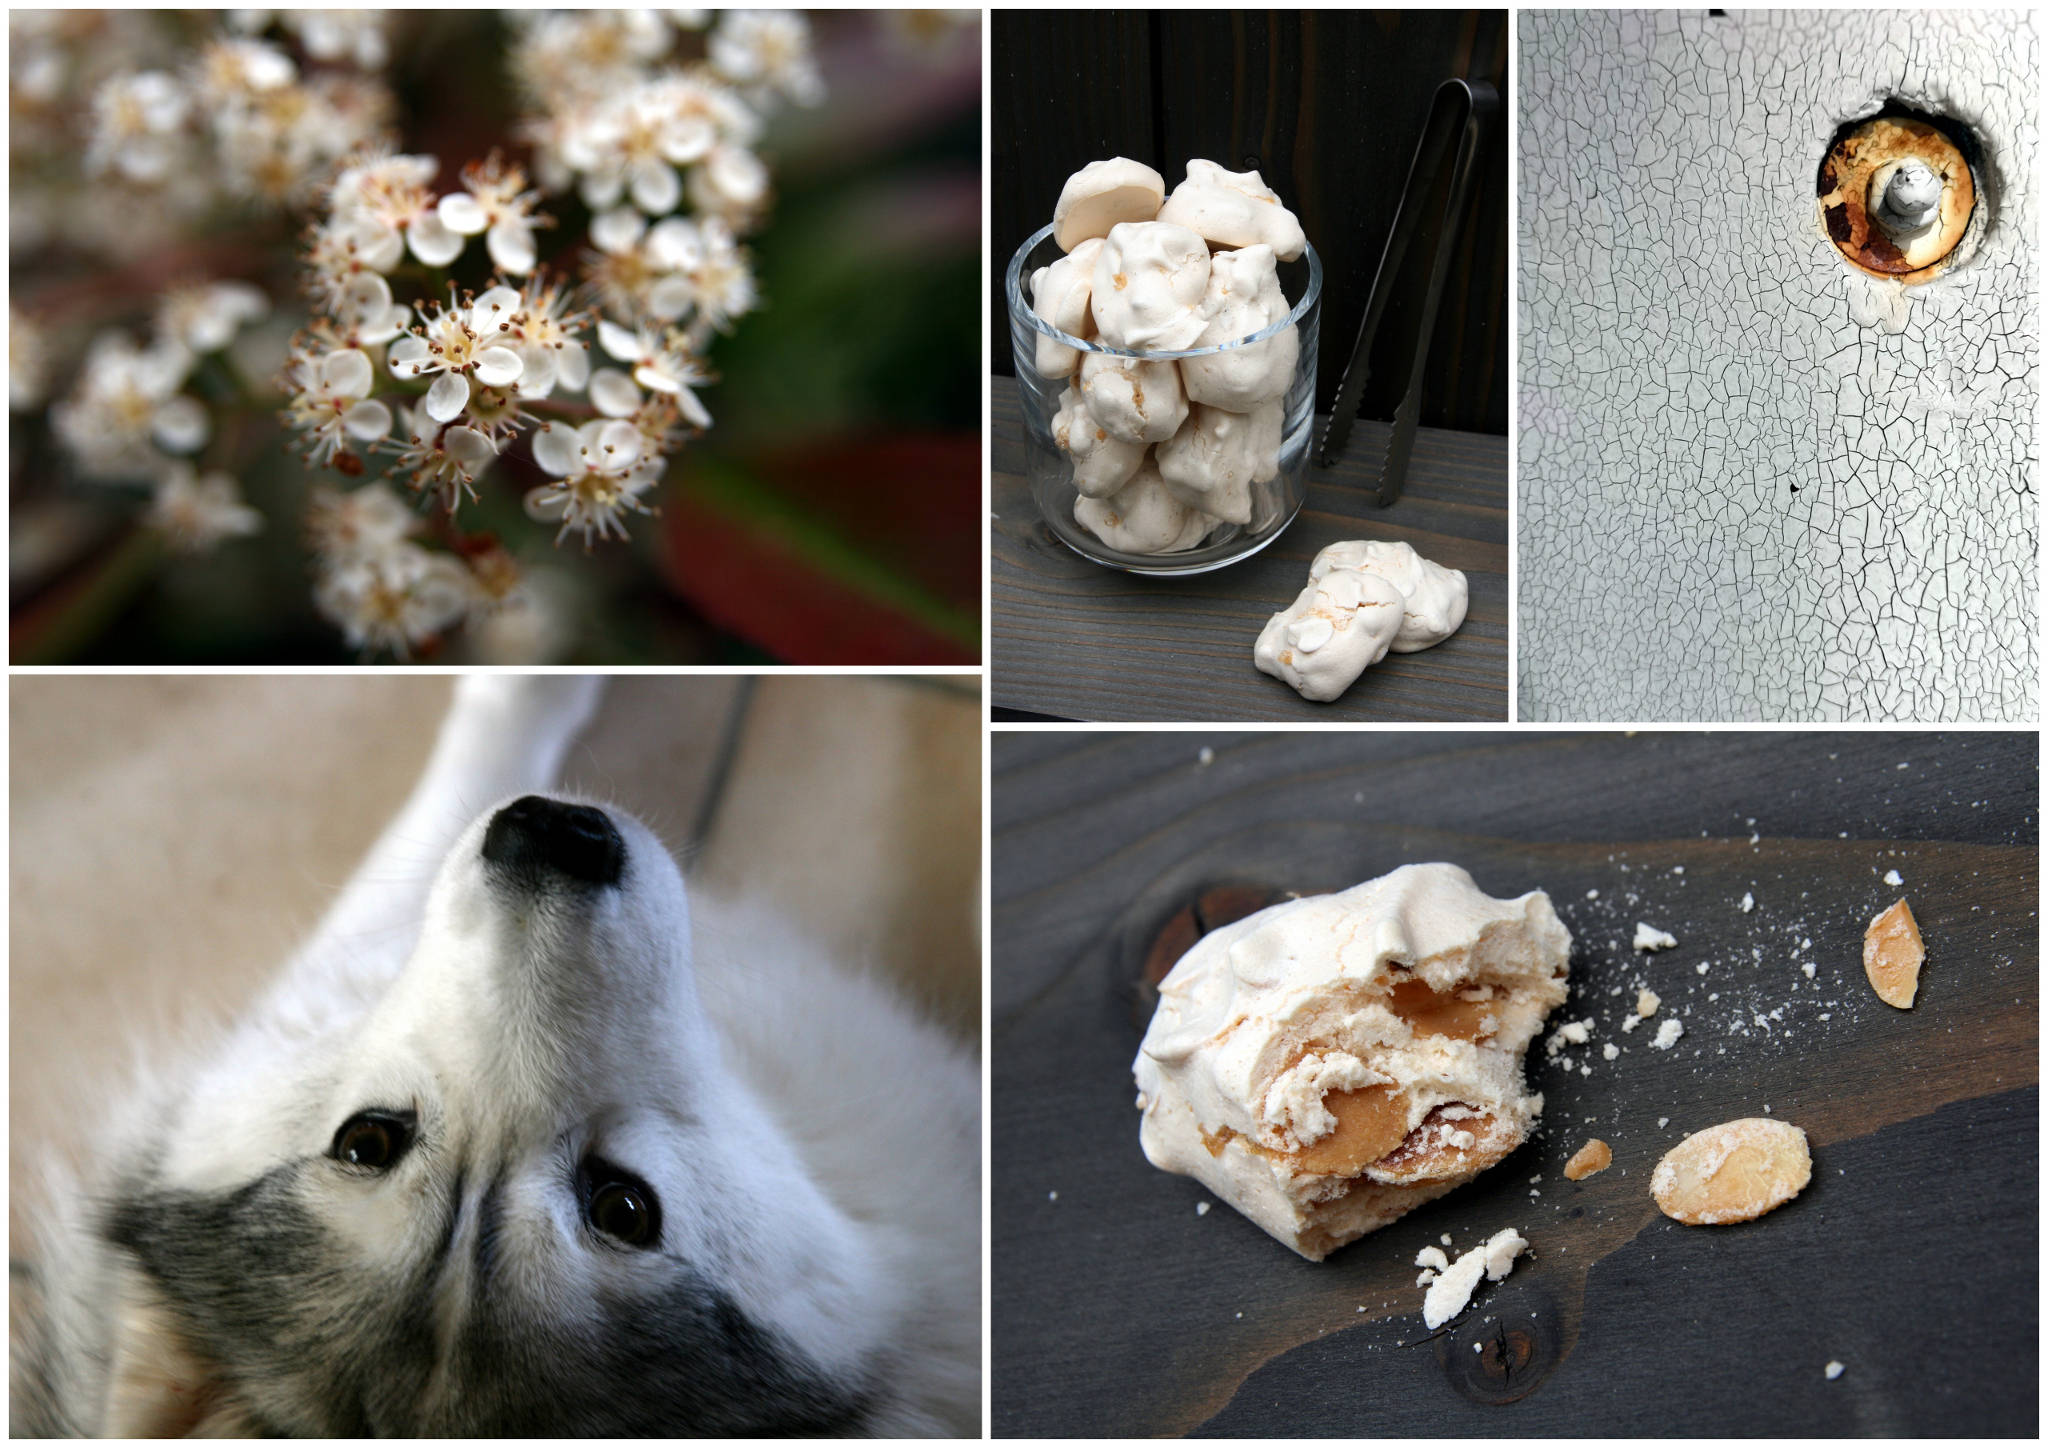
<point>1426,1152</point>
<point>1371,1122</point>
<point>1432,1013</point>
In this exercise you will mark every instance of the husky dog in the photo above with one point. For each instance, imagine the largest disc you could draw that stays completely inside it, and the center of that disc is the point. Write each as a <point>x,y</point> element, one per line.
<point>495,1157</point>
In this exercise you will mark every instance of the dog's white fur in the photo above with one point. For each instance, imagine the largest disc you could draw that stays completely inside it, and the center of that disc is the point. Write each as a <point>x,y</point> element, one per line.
<point>814,1145</point>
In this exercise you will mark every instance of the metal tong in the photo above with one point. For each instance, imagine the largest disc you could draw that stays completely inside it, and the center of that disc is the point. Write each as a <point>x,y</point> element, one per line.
<point>1458,114</point>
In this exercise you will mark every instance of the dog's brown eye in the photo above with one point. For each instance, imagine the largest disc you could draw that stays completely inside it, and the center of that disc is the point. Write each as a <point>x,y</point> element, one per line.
<point>621,1211</point>
<point>372,1140</point>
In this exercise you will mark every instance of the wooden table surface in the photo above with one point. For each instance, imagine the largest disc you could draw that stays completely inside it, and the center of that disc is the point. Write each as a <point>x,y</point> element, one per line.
<point>1911,1258</point>
<point>1074,640</point>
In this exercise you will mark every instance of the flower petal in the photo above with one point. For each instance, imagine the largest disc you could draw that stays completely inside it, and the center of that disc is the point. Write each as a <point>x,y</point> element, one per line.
<point>612,393</point>
<point>572,365</point>
<point>510,243</point>
<point>548,503</point>
<point>469,447</point>
<point>460,211</point>
<point>649,375</point>
<point>618,230</point>
<point>181,425</point>
<point>555,449</point>
<point>346,373</point>
<point>431,240</point>
<point>687,403</point>
<point>618,447</point>
<point>408,356</point>
<point>498,366</point>
<point>367,420</point>
<point>493,312</point>
<point>656,187</point>
<point>447,397</point>
<point>621,343</point>
<point>670,297</point>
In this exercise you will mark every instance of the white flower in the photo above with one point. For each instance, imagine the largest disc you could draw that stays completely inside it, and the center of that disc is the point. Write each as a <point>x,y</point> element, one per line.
<point>196,512</point>
<point>355,36</point>
<point>599,476</point>
<point>730,183</point>
<point>367,313</point>
<point>232,70</point>
<point>456,341</point>
<point>344,526</point>
<point>205,318</point>
<point>125,406</point>
<point>388,197</point>
<point>497,203</point>
<point>137,125</point>
<point>768,49</point>
<point>442,456</point>
<point>331,401</point>
<point>708,273</point>
<point>548,342</point>
<point>667,363</point>
<point>396,599</point>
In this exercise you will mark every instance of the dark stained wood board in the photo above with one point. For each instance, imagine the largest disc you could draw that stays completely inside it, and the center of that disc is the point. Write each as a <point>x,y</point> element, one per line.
<point>1075,640</point>
<point>1912,1257</point>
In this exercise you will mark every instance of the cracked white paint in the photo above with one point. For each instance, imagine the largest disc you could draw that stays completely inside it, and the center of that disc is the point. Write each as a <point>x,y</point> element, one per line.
<point>1686,366</point>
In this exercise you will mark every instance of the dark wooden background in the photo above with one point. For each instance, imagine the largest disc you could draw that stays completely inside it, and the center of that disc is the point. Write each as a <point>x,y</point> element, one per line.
<point>1911,1258</point>
<point>1327,105</point>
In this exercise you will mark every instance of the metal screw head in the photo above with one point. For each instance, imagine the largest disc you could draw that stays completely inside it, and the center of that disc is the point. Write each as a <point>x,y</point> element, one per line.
<point>1896,197</point>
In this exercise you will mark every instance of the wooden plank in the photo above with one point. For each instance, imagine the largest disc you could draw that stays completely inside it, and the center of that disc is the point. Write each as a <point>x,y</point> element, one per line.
<point>1118,1310</point>
<point>1075,640</point>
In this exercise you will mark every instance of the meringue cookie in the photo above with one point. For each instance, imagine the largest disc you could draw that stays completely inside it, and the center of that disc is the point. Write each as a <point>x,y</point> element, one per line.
<point>1244,297</point>
<point>1102,463</point>
<point>1233,208</point>
<point>1328,1064</point>
<point>1340,626</point>
<point>1148,287</point>
<point>1137,401</point>
<point>1212,462</point>
<point>1101,194</point>
<point>1059,294</point>
<point>1143,517</point>
<point>1435,596</point>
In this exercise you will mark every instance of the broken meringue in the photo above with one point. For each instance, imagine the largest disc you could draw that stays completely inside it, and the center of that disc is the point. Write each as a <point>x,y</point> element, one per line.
<point>1212,462</point>
<point>1244,297</point>
<point>1137,401</point>
<point>1059,294</point>
<point>1233,208</point>
<point>1143,517</point>
<point>1363,600</point>
<point>1102,463</point>
<point>1436,596</point>
<point>1100,195</point>
<point>1148,286</point>
<point>1328,1064</point>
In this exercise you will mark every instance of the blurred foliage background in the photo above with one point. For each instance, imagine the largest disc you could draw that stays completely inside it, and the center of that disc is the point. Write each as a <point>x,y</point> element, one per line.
<point>832,514</point>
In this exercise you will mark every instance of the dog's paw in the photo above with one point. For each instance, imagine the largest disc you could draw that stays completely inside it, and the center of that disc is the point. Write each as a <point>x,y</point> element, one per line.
<point>551,706</point>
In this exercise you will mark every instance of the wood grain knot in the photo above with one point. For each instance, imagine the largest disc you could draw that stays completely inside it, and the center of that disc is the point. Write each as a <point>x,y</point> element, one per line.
<point>1502,1352</point>
<point>1215,907</point>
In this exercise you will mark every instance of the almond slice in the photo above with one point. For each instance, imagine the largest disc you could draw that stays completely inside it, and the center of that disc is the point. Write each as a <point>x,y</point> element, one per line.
<point>1593,1156</point>
<point>1892,954</point>
<point>1732,1172</point>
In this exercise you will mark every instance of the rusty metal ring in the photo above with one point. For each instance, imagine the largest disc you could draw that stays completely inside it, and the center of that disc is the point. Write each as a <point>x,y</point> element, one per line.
<point>1863,181</point>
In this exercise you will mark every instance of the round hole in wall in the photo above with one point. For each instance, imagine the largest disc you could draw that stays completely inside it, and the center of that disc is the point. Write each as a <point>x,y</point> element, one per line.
<point>1899,191</point>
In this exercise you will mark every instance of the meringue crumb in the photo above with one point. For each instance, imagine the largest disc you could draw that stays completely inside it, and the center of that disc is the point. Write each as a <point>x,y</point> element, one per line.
<point>1891,877</point>
<point>1432,1257</point>
<point>1668,1034</point>
<point>1834,1370</point>
<point>1662,1122</point>
<point>1052,1196</point>
<point>1201,1209</point>
<point>1748,902</point>
<point>1701,967</point>
<point>1647,1003</point>
<point>1450,1292</point>
<point>1807,969</point>
<point>1207,756</point>
<point>1610,1051</point>
<point>1649,937</point>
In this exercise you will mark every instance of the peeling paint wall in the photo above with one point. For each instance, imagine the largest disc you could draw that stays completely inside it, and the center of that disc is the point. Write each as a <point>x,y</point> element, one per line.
<point>1752,484</point>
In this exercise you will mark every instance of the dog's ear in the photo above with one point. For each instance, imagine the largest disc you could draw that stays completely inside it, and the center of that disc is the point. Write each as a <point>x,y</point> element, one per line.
<point>157,1387</point>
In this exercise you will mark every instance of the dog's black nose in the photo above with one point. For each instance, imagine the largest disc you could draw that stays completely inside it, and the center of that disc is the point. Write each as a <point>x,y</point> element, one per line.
<point>534,833</point>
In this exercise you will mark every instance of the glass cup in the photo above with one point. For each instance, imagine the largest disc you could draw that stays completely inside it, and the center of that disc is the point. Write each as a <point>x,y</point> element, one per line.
<point>1275,498</point>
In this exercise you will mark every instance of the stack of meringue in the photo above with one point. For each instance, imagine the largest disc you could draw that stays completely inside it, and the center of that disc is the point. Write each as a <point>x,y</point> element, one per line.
<point>1363,600</point>
<point>1164,451</point>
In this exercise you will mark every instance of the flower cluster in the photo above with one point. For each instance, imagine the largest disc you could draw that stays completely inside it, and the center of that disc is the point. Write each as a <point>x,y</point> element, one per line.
<point>128,417</point>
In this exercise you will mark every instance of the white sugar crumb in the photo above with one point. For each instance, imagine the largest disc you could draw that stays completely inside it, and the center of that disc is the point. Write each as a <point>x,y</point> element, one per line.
<point>1452,1290</point>
<point>1207,756</point>
<point>1445,1239</point>
<point>1668,1034</point>
<point>1662,1122</point>
<point>1432,1257</point>
<point>1892,877</point>
<point>1646,1003</point>
<point>1201,1209</point>
<point>1807,970</point>
<point>1610,1050</point>
<point>1592,894</point>
<point>1678,869</point>
<point>1423,1279</point>
<point>1701,967</point>
<point>1649,937</point>
<point>1630,1023</point>
<point>1748,903</point>
<point>1052,1196</point>
<point>1834,1369</point>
